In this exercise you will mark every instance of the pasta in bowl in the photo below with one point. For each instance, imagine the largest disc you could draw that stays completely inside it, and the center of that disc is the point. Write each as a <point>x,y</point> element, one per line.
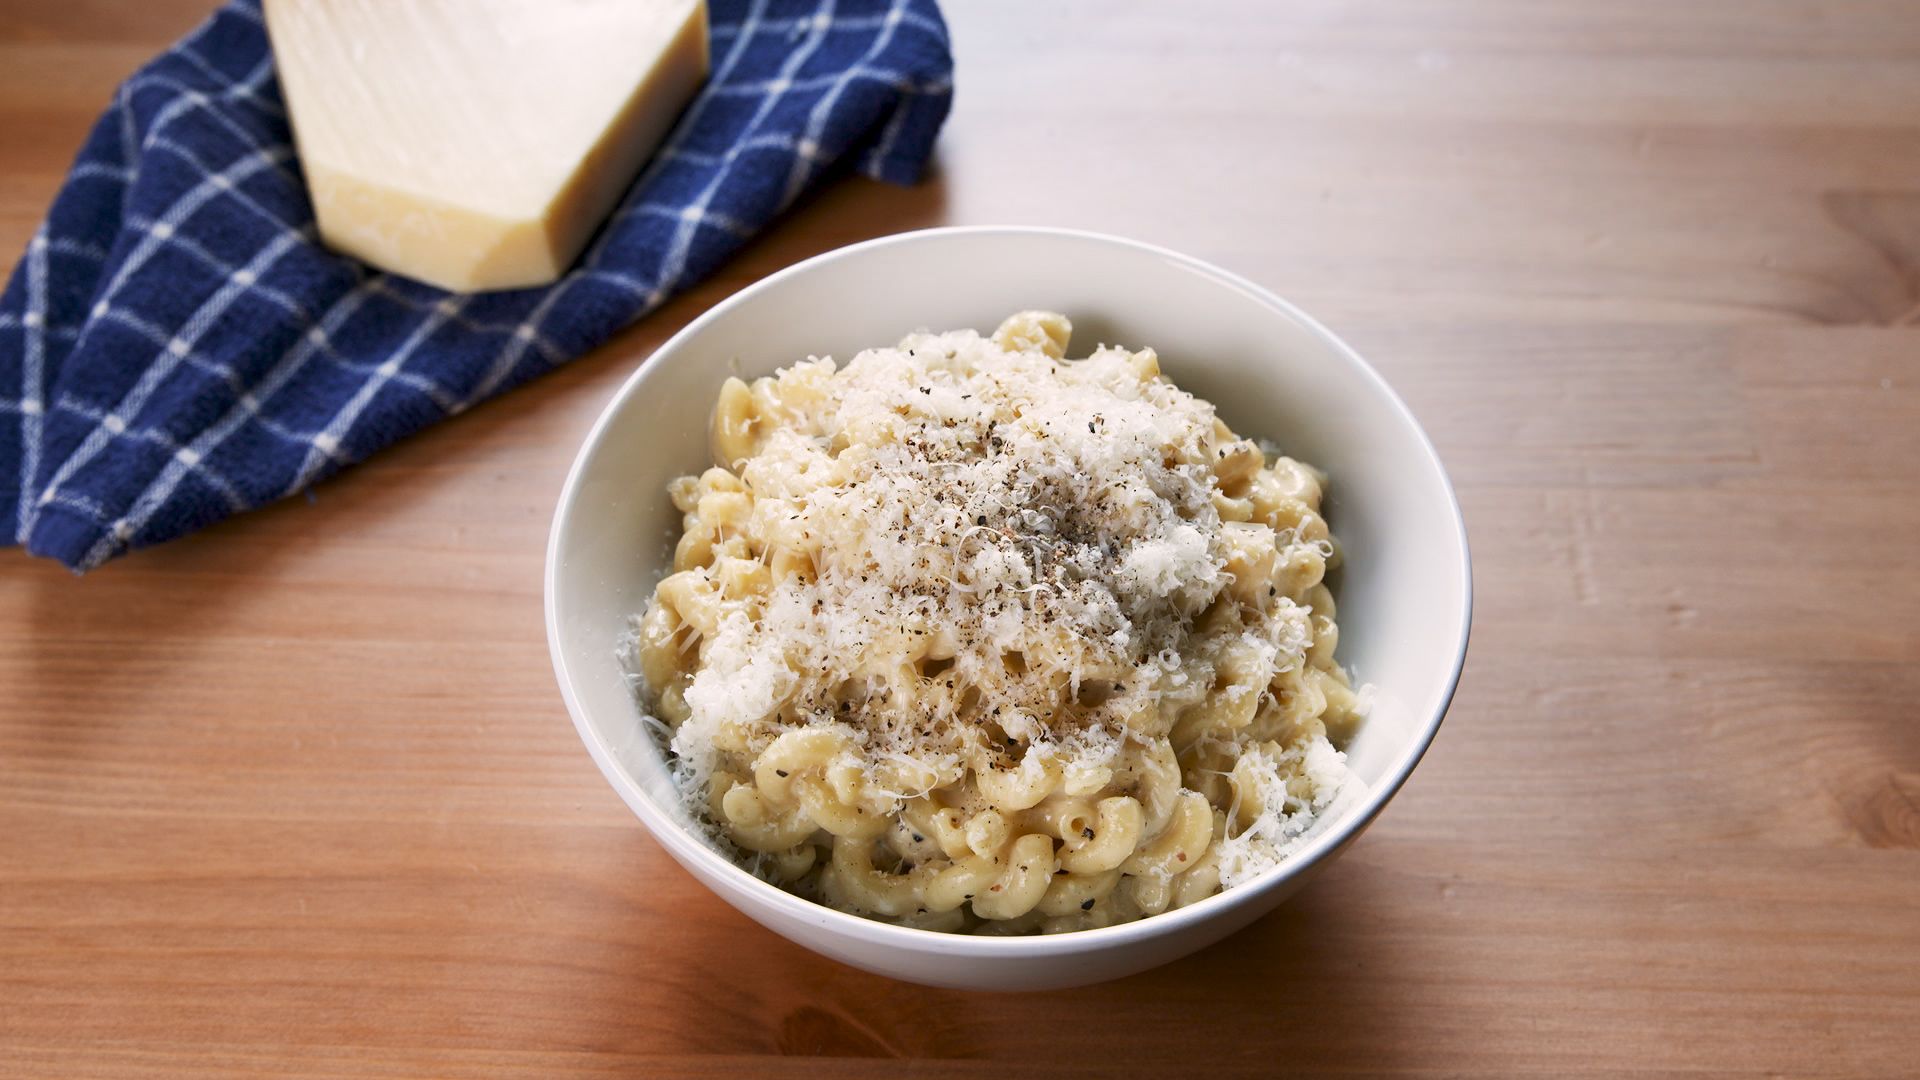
<point>1399,572</point>
<point>967,636</point>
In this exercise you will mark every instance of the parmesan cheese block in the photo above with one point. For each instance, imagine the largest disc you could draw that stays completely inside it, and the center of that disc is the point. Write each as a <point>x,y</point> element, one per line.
<point>478,144</point>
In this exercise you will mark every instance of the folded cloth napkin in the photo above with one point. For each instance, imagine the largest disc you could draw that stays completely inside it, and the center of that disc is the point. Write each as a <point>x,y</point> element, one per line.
<point>175,346</point>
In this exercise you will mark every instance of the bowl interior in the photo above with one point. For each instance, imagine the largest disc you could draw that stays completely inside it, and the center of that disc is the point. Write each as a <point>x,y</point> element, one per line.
<point>1273,373</point>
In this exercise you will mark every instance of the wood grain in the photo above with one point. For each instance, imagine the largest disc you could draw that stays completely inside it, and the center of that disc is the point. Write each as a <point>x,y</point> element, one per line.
<point>297,795</point>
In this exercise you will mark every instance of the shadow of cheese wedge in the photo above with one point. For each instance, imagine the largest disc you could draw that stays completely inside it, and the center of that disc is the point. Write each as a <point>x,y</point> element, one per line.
<point>478,144</point>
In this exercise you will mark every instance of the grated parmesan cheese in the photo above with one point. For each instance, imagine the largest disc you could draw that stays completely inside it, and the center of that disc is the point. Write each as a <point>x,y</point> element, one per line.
<point>990,504</point>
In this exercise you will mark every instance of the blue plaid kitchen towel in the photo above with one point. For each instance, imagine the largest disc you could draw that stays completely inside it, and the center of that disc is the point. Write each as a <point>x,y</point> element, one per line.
<point>175,346</point>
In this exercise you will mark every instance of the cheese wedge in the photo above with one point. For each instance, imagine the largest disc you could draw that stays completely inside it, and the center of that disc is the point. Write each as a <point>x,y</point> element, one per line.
<point>478,144</point>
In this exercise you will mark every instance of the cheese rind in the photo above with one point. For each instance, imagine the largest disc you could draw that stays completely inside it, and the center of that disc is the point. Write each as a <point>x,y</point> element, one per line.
<point>479,145</point>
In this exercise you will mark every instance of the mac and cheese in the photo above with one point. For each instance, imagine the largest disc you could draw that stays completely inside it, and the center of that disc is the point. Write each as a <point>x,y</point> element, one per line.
<point>967,636</point>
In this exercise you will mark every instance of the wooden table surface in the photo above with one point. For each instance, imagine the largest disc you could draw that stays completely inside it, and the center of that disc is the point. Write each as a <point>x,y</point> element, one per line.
<point>298,794</point>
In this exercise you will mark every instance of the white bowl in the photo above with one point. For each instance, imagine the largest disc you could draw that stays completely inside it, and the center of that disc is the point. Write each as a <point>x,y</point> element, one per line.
<point>1404,594</point>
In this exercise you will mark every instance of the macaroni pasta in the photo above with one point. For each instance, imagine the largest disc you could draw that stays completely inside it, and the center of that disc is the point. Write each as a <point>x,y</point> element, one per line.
<point>970,637</point>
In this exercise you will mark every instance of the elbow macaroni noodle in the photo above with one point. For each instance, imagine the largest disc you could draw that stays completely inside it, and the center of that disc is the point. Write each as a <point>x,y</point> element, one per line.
<point>966,636</point>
